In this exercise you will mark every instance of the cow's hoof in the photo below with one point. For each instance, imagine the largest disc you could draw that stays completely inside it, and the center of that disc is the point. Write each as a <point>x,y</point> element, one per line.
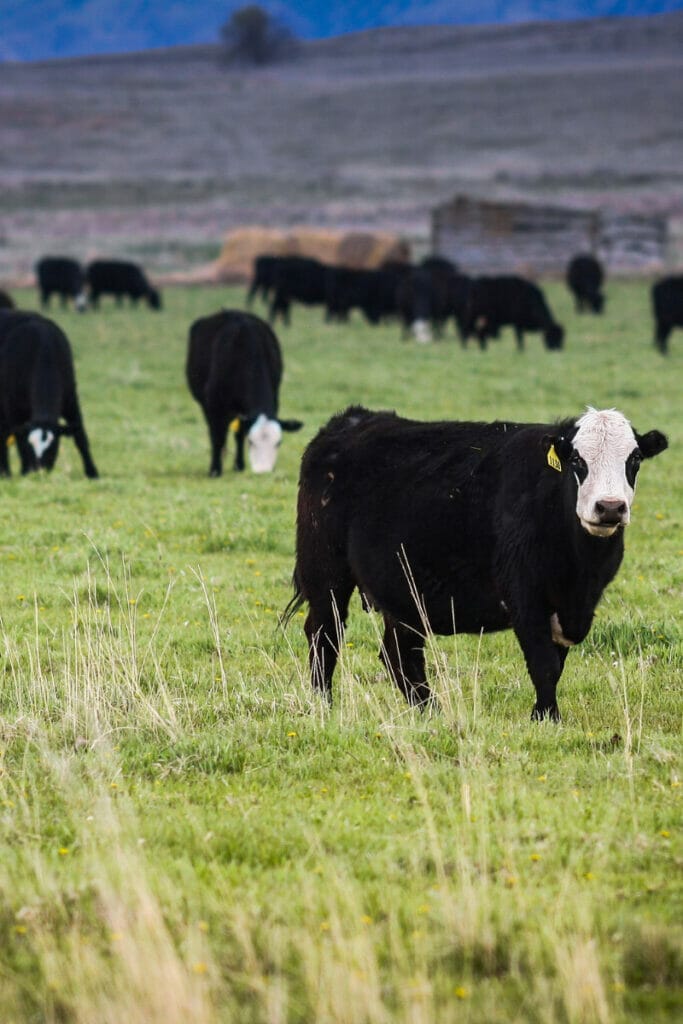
<point>552,712</point>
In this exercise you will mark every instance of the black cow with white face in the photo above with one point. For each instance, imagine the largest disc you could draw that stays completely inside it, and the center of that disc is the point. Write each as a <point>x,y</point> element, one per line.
<point>38,396</point>
<point>62,276</point>
<point>428,295</point>
<point>463,527</point>
<point>234,369</point>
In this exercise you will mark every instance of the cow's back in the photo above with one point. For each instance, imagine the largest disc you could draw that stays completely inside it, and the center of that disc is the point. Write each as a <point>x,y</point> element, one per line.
<point>232,354</point>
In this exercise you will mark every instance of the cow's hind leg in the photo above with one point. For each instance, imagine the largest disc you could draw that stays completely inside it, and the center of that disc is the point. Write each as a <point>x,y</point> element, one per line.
<point>324,628</point>
<point>402,653</point>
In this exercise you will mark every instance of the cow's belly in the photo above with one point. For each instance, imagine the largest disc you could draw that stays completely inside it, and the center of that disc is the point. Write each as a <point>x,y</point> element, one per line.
<point>458,597</point>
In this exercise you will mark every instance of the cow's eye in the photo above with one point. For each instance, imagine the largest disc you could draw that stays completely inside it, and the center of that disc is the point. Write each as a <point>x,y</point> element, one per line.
<point>579,467</point>
<point>632,466</point>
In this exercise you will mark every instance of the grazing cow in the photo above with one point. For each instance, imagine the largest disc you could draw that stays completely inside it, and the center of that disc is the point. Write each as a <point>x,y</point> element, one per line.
<point>299,279</point>
<point>430,294</point>
<point>37,392</point>
<point>585,275</point>
<point>120,278</point>
<point>373,292</point>
<point>263,279</point>
<point>496,302</point>
<point>6,300</point>
<point>667,305</point>
<point>60,275</point>
<point>234,368</point>
<point>465,527</point>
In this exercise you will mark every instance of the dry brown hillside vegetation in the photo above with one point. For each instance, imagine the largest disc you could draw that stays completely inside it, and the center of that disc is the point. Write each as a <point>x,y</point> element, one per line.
<point>155,155</point>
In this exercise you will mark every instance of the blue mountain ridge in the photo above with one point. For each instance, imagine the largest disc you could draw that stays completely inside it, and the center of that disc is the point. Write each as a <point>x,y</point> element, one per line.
<point>43,29</point>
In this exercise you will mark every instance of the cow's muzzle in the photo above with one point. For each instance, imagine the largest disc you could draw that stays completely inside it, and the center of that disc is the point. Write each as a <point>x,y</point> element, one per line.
<point>608,515</point>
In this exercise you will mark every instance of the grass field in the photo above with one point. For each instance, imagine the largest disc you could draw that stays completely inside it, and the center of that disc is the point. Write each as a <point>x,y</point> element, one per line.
<point>189,835</point>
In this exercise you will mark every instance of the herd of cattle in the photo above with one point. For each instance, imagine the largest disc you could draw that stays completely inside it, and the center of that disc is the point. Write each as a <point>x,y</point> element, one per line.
<point>425,297</point>
<point>65,277</point>
<point>441,526</point>
<point>422,297</point>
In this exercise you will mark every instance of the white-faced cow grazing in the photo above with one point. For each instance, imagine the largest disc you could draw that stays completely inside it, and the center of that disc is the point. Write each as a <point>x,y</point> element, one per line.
<point>63,276</point>
<point>463,527</point>
<point>585,275</point>
<point>120,279</point>
<point>37,393</point>
<point>234,369</point>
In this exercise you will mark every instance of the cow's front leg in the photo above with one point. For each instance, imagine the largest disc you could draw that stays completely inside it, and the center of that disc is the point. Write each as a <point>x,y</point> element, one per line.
<point>218,432</point>
<point>26,455</point>
<point>402,653</point>
<point>545,660</point>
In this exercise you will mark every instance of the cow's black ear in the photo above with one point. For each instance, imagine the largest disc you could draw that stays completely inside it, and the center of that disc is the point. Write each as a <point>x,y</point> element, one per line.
<point>652,443</point>
<point>560,444</point>
<point>291,424</point>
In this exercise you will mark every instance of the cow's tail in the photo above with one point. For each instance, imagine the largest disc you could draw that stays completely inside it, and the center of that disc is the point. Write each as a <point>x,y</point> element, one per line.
<point>295,604</point>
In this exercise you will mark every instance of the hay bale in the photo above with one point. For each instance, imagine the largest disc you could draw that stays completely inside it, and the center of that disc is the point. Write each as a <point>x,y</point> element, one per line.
<point>367,250</point>
<point>242,246</point>
<point>359,249</point>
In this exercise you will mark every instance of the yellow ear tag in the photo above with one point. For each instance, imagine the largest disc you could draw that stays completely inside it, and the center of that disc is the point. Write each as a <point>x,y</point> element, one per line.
<point>234,425</point>
<point>10,440</point>
<point>553,460</point>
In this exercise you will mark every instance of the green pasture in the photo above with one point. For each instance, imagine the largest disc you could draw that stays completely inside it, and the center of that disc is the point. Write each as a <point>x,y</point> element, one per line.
<point>188,834</point>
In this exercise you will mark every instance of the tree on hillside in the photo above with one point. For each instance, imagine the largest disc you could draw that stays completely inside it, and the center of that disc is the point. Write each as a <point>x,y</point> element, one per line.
<point>253,36</point>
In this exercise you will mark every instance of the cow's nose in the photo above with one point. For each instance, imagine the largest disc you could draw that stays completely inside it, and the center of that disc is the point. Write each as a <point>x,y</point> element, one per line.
<point>610,510</point>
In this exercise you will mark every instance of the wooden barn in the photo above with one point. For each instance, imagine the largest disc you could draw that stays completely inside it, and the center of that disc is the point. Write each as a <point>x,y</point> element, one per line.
<point>513,236</point>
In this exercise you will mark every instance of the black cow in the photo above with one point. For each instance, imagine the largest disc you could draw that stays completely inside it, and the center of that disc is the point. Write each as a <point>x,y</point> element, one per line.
<point>508,300</point>
<point>263,277</point>
<point>430,294</point>
<point>435,262</point>
<point>60,275</point>
<point>667,306</point>
<point>585,275</point>
<point>463,527</point>
<point>37,391</point>
<point>234,369</point>
<point>120,278</point>
<point>6,300</point>
<point>296,279</point>
<point>373,292</point>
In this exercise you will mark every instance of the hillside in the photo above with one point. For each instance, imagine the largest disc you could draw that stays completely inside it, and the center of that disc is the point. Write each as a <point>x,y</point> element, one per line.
<point>156,154</point>
<point>119,26</point>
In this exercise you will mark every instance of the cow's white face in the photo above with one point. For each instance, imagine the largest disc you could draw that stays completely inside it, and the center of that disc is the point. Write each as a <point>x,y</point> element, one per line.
<point>422,331</point>
<point>263,440</point>
<point>40,440</point>
<point>605,462</point>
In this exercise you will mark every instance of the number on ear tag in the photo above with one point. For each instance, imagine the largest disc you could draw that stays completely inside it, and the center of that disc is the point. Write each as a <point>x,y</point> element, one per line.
<point>553,460</point>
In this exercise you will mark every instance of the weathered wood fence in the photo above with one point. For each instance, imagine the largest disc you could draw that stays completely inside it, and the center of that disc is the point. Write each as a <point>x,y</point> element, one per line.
<point>506,237</point>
